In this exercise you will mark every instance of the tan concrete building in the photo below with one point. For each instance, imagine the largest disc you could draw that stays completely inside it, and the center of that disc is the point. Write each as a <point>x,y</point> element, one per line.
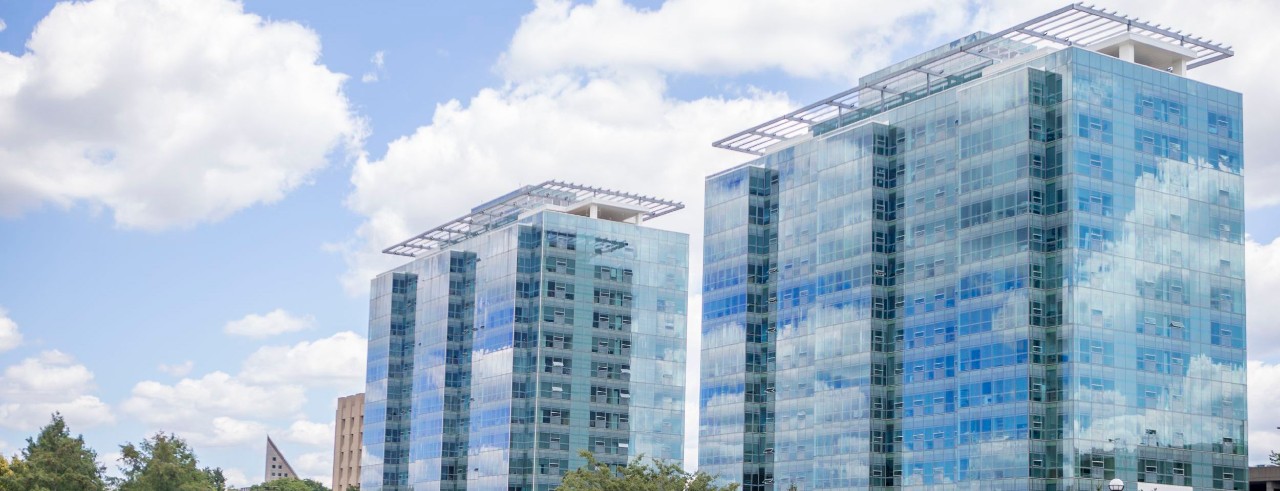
<point>276,465</point>
<point>1264,478</point>
<point>348,424</point>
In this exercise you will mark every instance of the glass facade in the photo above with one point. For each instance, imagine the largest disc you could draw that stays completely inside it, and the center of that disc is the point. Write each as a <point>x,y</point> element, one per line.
<point>1031,280</point>
<point>495,360</point>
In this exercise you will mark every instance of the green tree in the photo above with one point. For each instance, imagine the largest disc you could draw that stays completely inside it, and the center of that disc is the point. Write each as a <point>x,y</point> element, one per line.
<point>54,461</point>
<point>290,484</point>
<point>5,468</point>
<point>164,463</point>
<point>216,477</point>
<point>637,475</point>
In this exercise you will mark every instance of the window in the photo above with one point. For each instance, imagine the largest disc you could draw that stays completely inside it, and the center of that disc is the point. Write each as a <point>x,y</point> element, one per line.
<point>559,289</point>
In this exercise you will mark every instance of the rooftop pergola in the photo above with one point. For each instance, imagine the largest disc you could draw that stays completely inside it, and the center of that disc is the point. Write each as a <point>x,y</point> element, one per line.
<point>507,208</point>
<point>1073,25</point>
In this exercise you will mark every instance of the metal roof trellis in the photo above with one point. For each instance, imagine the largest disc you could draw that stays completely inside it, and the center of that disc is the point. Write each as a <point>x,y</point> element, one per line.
<point>1073,25</point>
<point>507,208</point>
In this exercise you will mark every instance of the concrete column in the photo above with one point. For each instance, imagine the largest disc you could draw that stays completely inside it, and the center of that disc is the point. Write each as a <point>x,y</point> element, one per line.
<point>1180,67</point>
<point>1126,52</point>
<point>595,210</point>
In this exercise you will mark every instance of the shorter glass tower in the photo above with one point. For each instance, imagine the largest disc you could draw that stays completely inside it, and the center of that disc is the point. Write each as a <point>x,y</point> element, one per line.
<point>545,322</point>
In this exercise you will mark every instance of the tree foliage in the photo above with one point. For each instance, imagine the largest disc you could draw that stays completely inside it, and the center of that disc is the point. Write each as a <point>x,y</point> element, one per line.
<point>216,476</point>
<point>165,463</point>
<point>6,466</point>
<point>1274,458</point>
<point>290,484</point>
<point>53,461</point>
<point>655,475</point>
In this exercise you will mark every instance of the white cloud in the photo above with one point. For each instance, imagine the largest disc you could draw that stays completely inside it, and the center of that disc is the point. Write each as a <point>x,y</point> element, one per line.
<point>223,431</point>
<point>236,477</point>
<point>220,409</point>
<point>272,323</point>
<point>823,39</point>
<point>167,113</point>
<point>52,372</point>
<point>336,361</point>
<point>315,465</point>
<point>1262,281</point>
<point>10,336</point>
<point>111,459</point>
<point>3,26</point>
<point>310,433</point>
<point>51,382</point>
<point>377,61</point>
<point>177,369</point>
<point>1264,397</point>
<point>193,404</point>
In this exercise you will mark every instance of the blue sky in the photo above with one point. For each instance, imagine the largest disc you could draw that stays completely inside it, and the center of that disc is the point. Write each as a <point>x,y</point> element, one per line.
<point>151,231</point>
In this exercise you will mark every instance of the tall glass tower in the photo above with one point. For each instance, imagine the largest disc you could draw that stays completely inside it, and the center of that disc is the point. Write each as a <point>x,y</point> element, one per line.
<point>543,323</point>
<point>1014,262</point>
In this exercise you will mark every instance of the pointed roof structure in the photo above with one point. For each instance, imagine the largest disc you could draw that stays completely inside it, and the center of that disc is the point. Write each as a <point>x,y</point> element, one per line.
<point>276,465</point>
